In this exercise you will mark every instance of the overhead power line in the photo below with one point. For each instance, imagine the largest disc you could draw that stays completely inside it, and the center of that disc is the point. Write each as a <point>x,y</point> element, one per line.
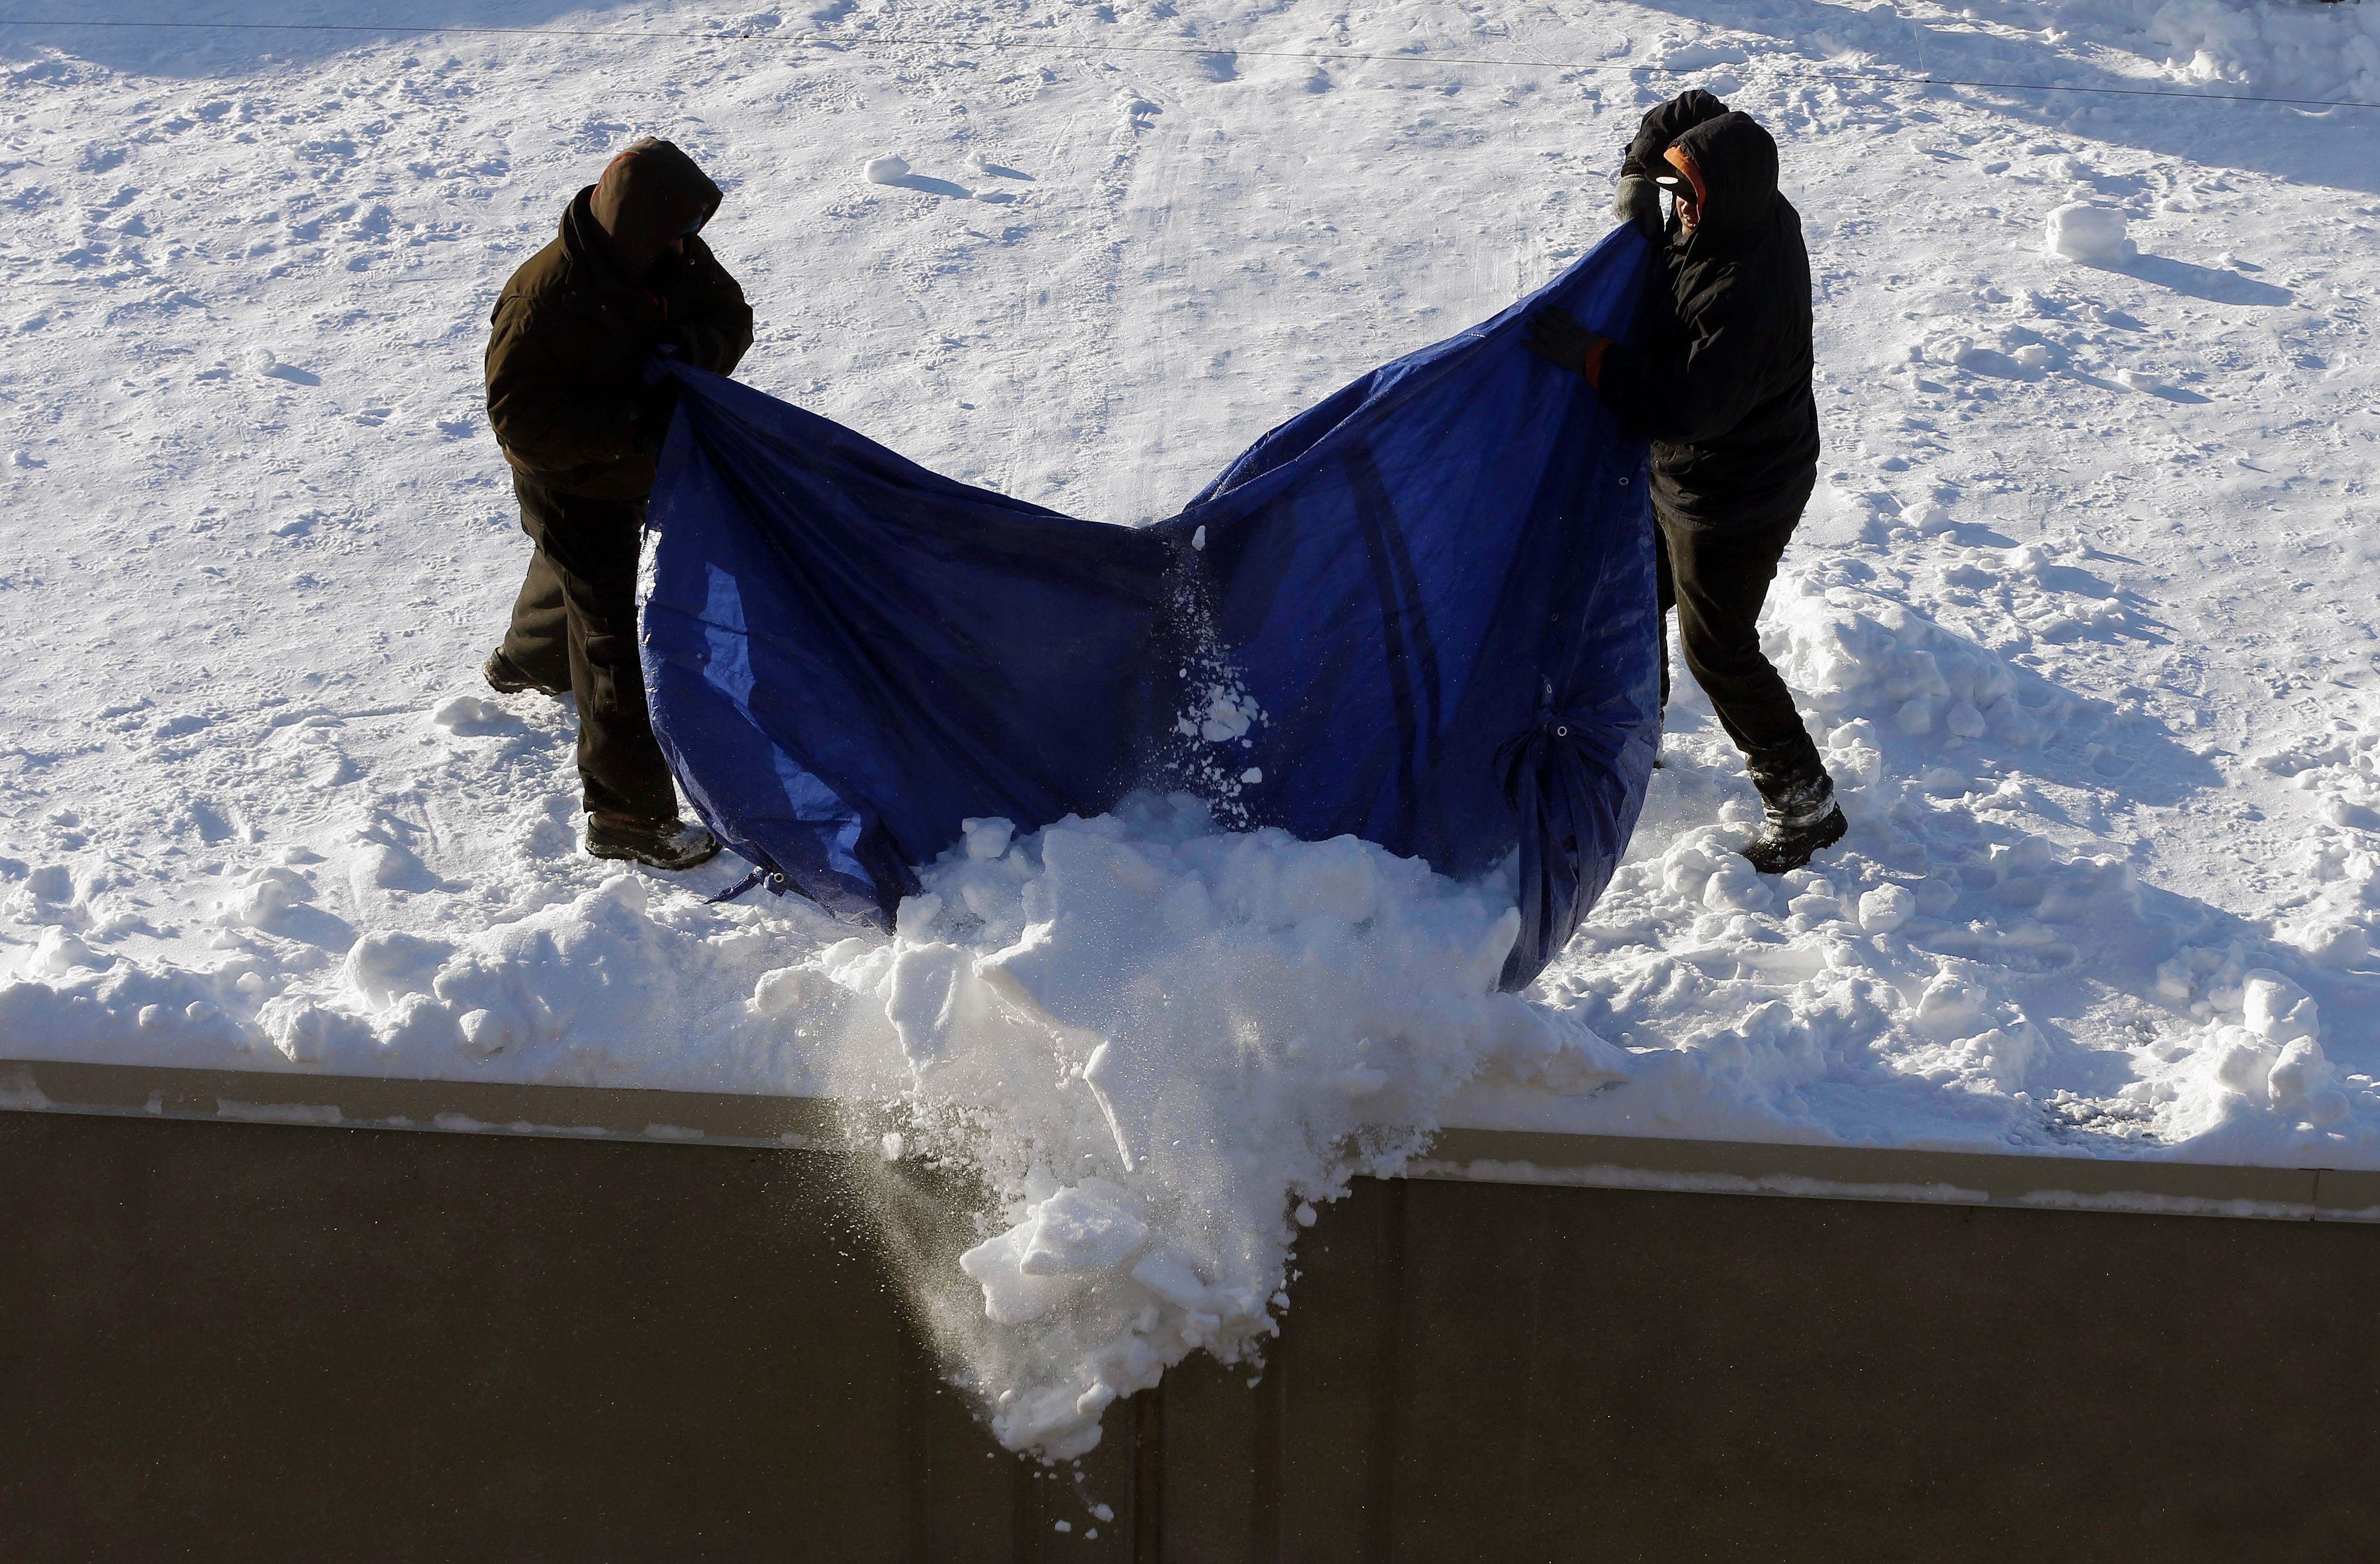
<point>1008,45</point>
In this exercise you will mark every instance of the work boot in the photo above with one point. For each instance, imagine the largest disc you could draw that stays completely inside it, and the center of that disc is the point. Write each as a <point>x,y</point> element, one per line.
<point>1797,820</point>
<point>660,844</point>
<point>505,678</point>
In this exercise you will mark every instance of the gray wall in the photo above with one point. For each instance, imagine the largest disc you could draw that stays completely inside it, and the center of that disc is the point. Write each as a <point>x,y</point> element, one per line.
<point>268,1342</point>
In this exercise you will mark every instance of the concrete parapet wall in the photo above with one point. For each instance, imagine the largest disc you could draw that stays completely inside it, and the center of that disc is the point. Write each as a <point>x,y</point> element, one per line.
<point>298,1340</point>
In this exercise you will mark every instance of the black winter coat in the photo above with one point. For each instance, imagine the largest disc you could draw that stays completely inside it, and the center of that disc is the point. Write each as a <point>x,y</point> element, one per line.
<point>1718,371</point>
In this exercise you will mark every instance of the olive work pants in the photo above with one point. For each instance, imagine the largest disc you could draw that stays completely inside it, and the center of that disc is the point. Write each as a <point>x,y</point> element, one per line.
<point>575,624</point>
<point>1716,581</point>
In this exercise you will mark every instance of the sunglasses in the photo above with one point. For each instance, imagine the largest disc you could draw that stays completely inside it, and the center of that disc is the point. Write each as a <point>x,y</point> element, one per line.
<point>1676,184</point>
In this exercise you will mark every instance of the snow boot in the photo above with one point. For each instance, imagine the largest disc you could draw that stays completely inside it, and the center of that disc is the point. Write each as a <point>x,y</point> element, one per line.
<point>659,844</point>
<point>1798,818</point>
<point>505,677</point>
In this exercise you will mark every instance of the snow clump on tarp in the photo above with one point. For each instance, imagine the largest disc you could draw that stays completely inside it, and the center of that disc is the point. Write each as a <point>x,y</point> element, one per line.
<point>1153,1047</point>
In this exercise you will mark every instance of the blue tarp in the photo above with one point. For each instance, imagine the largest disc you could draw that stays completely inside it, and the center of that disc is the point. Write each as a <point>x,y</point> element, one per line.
<point>1435,588</point>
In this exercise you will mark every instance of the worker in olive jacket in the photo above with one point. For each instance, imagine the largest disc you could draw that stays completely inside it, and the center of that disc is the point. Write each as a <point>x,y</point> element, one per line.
<point>626,279</point>
<point>1717,373</point>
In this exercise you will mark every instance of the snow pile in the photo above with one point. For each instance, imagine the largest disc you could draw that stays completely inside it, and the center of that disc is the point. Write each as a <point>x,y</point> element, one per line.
<point>2281,48</point>
<point>614,981</point>
<point>1157,1046</point>
<point>2276,46</point>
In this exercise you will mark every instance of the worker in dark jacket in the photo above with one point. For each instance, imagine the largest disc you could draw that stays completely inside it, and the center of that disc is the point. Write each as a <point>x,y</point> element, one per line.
<point>628,279</point>
<point>1717,373</point>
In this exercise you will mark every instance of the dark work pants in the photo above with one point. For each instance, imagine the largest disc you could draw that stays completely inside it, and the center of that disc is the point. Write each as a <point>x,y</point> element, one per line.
<point>1718,582</point>
<point>575,623</point>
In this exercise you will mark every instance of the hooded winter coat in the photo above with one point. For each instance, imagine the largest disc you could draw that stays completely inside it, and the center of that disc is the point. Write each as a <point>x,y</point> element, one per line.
<point>1718,372</point>
<point>573,328</point>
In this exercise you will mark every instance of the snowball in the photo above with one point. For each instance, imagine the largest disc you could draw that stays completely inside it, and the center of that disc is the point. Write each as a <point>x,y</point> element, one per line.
<point>483,1034</point>
<point>1886,907</point>
<point>887,170</point>
<point>2080,231</point>
<point>1734,885</point>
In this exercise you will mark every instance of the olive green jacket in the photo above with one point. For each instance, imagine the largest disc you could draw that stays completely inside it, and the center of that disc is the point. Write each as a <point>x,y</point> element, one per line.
<point>566,362</point>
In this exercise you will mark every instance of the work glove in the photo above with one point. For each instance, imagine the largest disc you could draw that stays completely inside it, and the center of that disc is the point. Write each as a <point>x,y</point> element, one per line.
<point>1556,336</point>
<point>1638,202</point>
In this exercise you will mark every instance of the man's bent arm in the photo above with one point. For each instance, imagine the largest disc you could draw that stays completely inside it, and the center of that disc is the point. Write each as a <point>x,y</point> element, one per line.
<point>715,327</point>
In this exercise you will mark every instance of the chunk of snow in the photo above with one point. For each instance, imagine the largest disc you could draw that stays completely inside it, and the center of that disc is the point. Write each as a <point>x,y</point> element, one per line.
<point>2080,231</point>
<point>57,953</point>
<point>469,716</point>
<point>268,894</point>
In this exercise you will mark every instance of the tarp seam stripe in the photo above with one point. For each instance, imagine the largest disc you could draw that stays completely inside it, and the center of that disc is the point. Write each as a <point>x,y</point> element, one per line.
<point>1421,641</point>
<point>1364,488</point>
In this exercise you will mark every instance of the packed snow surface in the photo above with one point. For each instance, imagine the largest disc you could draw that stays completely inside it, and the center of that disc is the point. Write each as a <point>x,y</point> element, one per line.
<point>2081,614</point>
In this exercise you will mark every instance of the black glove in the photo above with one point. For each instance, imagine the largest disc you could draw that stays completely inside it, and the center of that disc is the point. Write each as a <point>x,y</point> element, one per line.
<point>1556,336</point>
<point>1638,201</point>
